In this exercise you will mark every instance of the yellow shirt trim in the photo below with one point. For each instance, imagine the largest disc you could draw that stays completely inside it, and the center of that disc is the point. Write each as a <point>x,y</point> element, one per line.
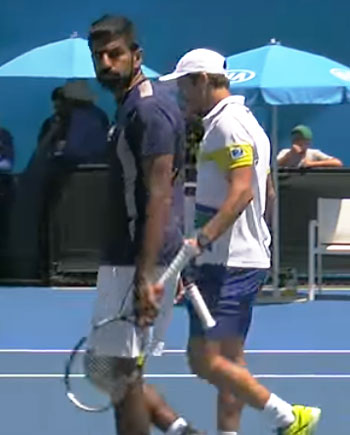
<point>230,157</point>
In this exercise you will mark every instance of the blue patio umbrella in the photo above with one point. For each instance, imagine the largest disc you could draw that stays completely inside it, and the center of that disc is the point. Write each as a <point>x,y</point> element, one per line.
<point>278,75</point>
<point>69,58</point>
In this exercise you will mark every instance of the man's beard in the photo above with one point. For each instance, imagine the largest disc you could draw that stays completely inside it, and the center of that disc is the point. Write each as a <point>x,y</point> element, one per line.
<point>114,82</point>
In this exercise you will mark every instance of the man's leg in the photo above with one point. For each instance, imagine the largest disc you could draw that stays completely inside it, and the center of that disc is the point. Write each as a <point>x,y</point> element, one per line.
<point>163,416</point>
<point>136,404</point>
<point>229,407</point>
<point>220,287</point>
<point>232,347</point>
<point>225,291</point>
<point>148,406</point>
<point>160,412</point>
<point>229,410</point>
<point>207,362</point>
<point>113,287</point>
<point>131,412</point>
<point>122,380</point>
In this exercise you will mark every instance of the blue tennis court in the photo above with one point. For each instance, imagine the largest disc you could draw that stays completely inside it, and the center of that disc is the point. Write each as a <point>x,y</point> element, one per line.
<point>301,351</point>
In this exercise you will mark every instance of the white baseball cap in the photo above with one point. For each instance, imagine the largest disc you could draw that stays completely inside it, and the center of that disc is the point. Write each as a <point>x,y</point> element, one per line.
<point>196,61</point>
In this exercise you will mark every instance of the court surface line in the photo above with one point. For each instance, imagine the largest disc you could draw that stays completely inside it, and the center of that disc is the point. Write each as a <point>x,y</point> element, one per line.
<point>183,351</point>
<point>174,375</point>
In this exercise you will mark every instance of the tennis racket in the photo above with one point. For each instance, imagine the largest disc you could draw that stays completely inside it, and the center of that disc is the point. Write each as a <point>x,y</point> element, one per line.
<point>90,379</point>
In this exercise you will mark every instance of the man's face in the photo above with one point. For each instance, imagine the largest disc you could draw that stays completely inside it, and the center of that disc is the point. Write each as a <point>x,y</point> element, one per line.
<point>299,140</point>
<point>193,95</point>
<point>115,63</point>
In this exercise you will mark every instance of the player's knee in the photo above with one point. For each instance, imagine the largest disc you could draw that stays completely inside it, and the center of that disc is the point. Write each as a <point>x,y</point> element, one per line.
<point>114,376</point>
<point>125,385</point>
<point>150,391</point>
<point>202,365</point>
<point>195,363</point>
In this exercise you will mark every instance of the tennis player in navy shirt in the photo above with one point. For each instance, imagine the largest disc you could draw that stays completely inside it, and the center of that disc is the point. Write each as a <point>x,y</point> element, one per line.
<point>143,232</point>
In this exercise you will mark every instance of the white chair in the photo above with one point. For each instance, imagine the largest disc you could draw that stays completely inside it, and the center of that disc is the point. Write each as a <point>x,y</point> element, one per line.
<point>328,235</point>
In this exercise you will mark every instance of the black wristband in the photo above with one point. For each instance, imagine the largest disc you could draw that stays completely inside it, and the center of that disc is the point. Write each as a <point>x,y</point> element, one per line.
<point>203,241</point>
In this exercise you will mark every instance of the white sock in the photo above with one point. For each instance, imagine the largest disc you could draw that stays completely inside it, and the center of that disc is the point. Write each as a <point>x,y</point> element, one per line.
<point>279,411</point>
<point>177,427</point>
<point>220,432</point>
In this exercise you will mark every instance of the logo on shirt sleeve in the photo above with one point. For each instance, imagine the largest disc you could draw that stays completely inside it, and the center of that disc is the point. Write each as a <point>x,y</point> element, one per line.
<point>237,152</point>
<point>230,156</point>
<point>241,155</point>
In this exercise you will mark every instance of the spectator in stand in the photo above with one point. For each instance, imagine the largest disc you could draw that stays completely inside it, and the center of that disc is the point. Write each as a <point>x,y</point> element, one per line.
<point>77,131</point>
<point>300,155</point>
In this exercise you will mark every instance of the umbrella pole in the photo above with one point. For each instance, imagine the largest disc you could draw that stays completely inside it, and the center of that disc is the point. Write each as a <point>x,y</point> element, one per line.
<point>275,219</point>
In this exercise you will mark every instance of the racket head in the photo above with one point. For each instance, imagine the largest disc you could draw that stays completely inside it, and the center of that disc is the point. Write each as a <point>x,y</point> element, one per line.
<point>81,388</point>
<point>93,379</point>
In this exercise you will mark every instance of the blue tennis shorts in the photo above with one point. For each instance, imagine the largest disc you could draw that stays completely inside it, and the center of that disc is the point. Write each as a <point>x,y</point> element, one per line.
<point>230,293</point>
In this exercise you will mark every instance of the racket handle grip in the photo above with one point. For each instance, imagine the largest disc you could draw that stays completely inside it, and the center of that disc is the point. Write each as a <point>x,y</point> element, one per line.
<point>200,306</point>
<point>186,253</point>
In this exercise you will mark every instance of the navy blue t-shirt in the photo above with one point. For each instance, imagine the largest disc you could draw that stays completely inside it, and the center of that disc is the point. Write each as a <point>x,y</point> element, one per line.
<point>149,123</point>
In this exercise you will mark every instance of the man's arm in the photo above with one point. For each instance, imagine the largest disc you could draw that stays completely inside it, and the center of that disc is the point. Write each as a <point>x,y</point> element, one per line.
<point>286,155</point>
<point>283,157</point>
<point>319,159</point>
<point>331,162</point>
<point>270,200</point>
<point>155,138</point>
<point>158,178</point>
<point>239,195</point>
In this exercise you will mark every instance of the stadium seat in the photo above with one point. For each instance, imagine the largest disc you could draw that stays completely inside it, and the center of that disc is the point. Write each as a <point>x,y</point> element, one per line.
<point>328,235</point>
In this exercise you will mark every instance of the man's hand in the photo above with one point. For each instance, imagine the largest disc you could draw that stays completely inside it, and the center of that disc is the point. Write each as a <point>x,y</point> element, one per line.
<point>180,292</point>
<point>297,149</point>
<point>194,243</point>
<point>308,164</point>
<point>147,298</point>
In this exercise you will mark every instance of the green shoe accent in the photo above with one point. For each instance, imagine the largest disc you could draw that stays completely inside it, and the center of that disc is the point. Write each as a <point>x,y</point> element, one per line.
<point>305,423</point>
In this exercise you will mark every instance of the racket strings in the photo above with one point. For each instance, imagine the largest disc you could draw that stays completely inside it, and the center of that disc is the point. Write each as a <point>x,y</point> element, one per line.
<point>105,373</point>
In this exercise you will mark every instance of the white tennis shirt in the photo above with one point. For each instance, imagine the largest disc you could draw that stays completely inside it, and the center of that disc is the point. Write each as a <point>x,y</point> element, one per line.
<point>233,138</point>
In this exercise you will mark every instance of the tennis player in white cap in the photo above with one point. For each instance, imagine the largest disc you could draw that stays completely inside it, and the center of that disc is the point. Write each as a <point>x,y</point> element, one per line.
<point>233,238</point>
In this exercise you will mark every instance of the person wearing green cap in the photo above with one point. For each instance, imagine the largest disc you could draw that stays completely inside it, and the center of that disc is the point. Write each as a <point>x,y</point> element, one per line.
<point>300,155</point>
